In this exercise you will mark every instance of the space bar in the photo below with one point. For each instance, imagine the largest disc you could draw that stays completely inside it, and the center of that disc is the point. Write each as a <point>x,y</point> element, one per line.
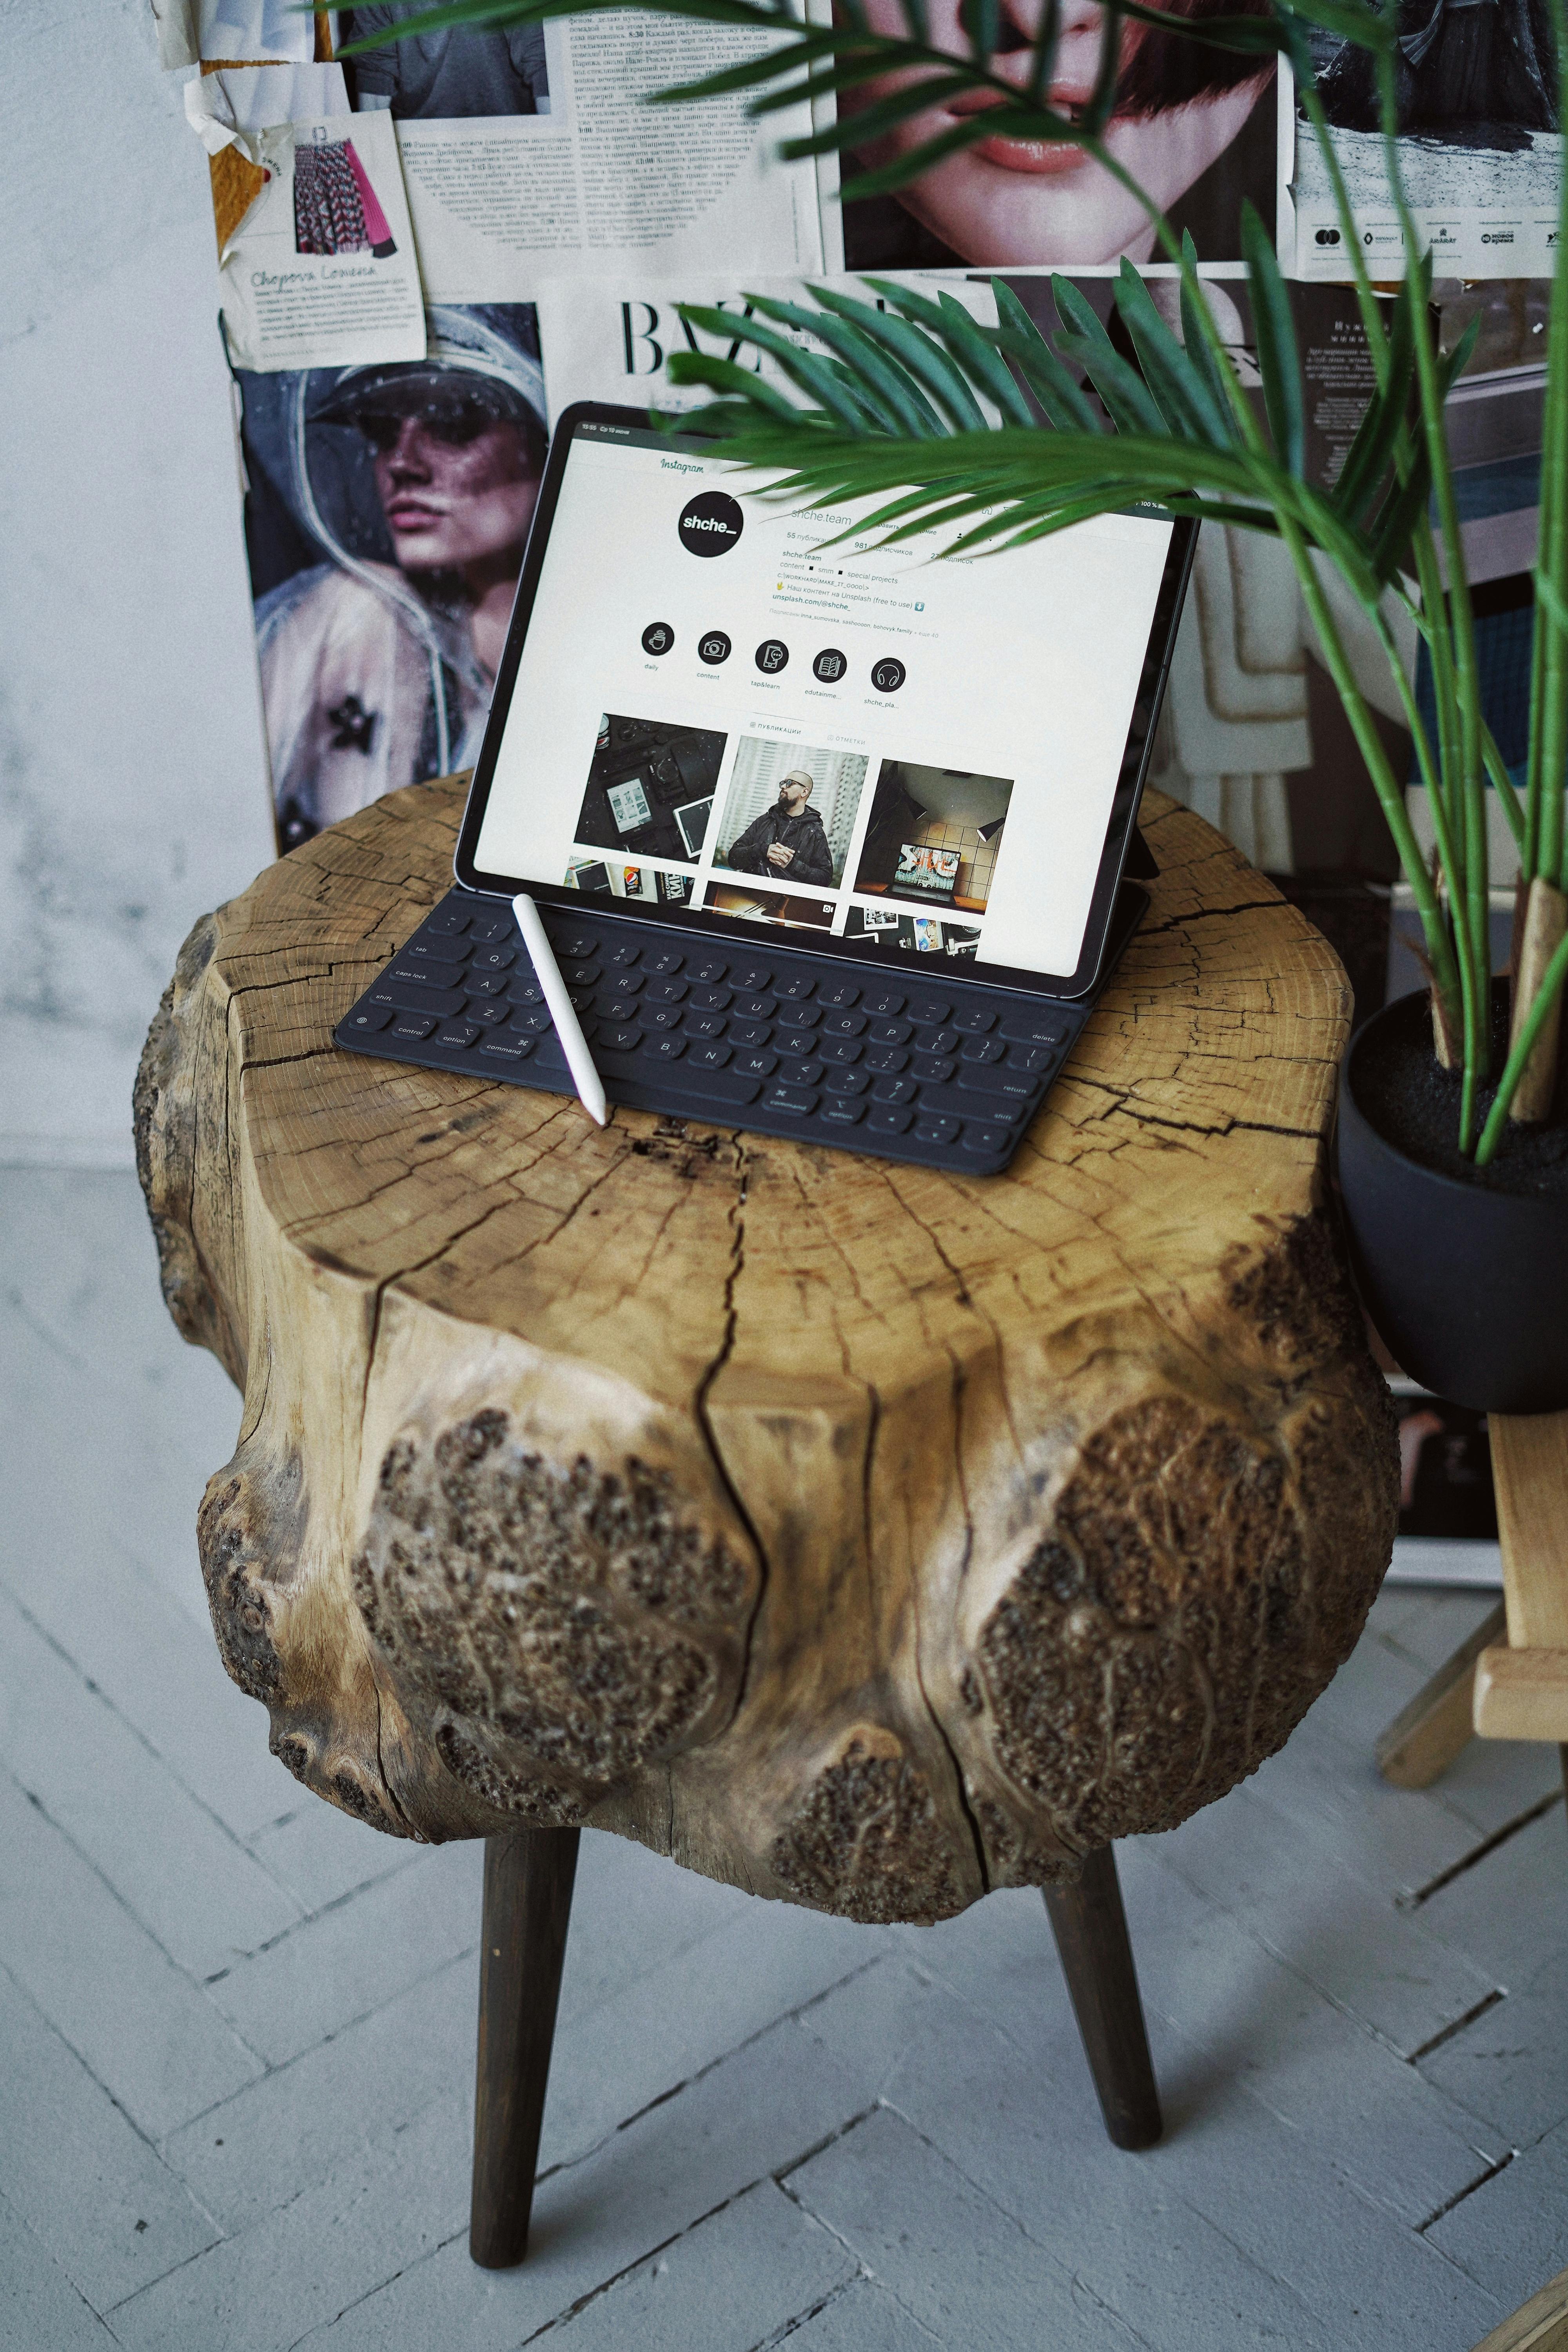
<point>675,1079</point>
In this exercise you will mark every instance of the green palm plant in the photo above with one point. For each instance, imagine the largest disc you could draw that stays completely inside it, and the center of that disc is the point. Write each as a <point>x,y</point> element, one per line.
<point>1011,435</point>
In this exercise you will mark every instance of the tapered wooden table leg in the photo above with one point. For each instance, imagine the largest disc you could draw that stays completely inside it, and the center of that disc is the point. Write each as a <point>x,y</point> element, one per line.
<point>1090,1929</point>
<point>527,1904</point>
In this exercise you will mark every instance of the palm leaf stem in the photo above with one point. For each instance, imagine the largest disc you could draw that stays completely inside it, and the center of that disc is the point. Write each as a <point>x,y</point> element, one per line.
<point>1519,1052</point>
<point>1390,793</point>
<point>1549,747</point>
<point>1469,893</point>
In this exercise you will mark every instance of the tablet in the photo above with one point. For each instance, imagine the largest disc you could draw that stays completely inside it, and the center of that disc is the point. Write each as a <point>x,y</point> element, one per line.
<point>898,752</point>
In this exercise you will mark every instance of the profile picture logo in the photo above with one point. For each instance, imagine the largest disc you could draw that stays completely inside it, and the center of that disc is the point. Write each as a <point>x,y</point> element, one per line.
<point>711,524</point>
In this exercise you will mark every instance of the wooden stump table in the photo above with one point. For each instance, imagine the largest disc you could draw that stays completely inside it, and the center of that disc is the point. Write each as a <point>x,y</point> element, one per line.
<point>866,1537</point>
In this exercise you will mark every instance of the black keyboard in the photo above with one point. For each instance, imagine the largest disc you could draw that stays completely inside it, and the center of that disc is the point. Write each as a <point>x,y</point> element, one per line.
<point>770,1039</point>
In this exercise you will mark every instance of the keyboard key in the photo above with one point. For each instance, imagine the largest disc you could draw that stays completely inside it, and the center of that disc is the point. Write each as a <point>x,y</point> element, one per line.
<point>448,920</point>
<point>580,999</point>
<point>460,1034</point>
<point>496,959</point>
<point>844,1111</point>
<point>894,1090</point>
<point>487,1011</point>
<point>838,993</point>
<point>369,1017</point>
<point>938,1041</point>
<point>749,1033</point>
<point>988,1139</point>
<point>931,1070</point>
<point>664,1048</point>
<point>408,996</point>
<point>1016,1084</point>
<point>794,985</point>
<point>959,1103</point>
<point>711,1055</point>
<point>752,976</point>
<point>422,975</point>
<point>1031,1057</point>
<point>883,1004</point>
<point>974,1020</point>
<point>665,964</point>
<point>486,983</point>
<point>886,1059</point>
<point>499,926</point>
<point>756,1066</point>
<point>709,969</point>
<point>434,949</point>
<point>1034,1024</point>
<point>665,991</point>
<point>533,1019</point>
<point>711,1000</point>
<point>413,1026</point>
<point>523,988</point>
<point>508,1048</point>
<point>625,981</point>
<point>794,1041</point>
<point>756,1008</point>
<point>798,1015</point>
<point>840,1049</point>
<point>705,1024</point>
<point>847,1082</point>
<point>622,1035</point>
<point>801,1074</point>
<point>678,1081</point>
<point>888,1118</point>
<point>799,1101</point>
<point>581,973</point>
<point>929,1012</point>
<point>623,953</point>
<point>983,1049</point>
<point>935,1130</point>
<point>843,1025</point>
<point>660,1016</point>
<point>577,948</point>
<point>889,1032</point>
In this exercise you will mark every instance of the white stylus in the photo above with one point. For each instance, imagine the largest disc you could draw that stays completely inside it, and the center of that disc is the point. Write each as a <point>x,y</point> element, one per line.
<point>568,1028</point>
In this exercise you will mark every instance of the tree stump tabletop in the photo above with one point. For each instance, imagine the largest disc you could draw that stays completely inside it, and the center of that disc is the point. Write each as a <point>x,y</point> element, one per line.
<point>865,1535</point>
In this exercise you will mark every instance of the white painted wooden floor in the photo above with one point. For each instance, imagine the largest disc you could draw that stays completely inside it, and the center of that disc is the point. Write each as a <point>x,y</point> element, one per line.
<point>237,2028</point>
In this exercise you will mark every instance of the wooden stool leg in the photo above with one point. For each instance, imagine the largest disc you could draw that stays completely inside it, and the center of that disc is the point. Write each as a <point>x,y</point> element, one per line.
<point>1090,1929</point>
<point>528,1903</point>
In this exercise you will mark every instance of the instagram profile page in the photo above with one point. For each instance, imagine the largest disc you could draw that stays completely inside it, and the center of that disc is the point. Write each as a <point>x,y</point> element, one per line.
<point>726,701</point>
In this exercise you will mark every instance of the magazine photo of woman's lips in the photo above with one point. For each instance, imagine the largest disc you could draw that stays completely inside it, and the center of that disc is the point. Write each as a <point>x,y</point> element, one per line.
<point>414,514</point>
<point>1004,200</point>
<point>1044,156</point>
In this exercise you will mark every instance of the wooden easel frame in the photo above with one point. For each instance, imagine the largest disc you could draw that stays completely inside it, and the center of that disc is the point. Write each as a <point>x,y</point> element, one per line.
<point>1516,1688</point>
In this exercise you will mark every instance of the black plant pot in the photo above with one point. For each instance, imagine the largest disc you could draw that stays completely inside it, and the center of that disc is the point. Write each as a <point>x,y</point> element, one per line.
<point>1468,1288</point>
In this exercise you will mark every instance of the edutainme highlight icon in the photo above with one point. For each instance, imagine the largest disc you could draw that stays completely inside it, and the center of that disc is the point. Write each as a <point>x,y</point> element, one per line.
<point>711,525</point>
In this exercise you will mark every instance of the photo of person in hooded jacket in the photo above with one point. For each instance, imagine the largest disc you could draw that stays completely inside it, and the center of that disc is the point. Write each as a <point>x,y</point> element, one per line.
<point>387,513</point>
<point>787,842</point>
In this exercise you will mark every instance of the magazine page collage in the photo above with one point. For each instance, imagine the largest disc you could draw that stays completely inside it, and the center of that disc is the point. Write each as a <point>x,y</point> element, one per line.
<point>429,246</point>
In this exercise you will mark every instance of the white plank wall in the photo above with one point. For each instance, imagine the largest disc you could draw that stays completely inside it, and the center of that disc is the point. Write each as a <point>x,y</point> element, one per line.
<point>237,2028</point>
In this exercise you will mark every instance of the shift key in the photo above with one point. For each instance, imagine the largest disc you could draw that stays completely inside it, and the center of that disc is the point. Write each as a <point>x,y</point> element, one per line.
<point>408,992</point>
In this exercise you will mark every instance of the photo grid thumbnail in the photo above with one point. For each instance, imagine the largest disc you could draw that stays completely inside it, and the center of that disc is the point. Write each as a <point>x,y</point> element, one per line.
<point>789,814</point>
<point>884,927</point>
<point>650,790</point>
<point>932,836</point>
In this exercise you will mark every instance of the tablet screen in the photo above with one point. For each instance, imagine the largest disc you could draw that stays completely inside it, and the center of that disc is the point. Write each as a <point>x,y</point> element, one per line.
<point>707,709</point>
